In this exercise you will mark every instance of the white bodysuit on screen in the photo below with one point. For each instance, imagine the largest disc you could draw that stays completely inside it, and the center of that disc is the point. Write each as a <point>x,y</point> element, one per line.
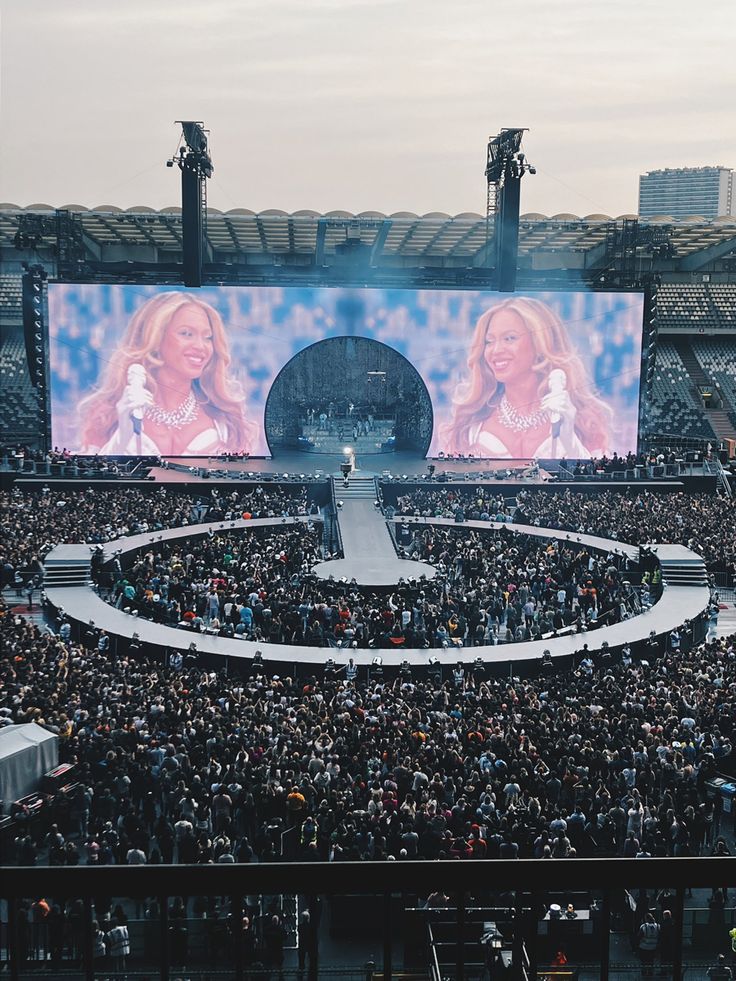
<point>491,446</point>
<point>210,442</point>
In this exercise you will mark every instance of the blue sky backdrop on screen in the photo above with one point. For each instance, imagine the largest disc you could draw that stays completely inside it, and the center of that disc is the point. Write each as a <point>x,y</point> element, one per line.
<point>267,326</point>
<point>361,104</point>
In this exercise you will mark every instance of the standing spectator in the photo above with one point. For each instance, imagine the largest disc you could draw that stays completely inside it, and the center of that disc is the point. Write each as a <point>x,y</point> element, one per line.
<point>648,942</point>
<point>308,945</point>
<point>118,945</point>
<point>274,939</point>
<point>99,947</point>
<point>667,941</point>
<point>720,971</point>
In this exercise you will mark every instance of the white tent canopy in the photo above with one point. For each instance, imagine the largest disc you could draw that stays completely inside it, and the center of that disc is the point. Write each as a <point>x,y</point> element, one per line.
<point>26,753</point>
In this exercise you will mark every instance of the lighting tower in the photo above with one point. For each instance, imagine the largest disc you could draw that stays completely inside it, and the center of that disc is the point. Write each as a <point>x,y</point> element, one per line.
<point>506,164</point>
<point>195,164</point>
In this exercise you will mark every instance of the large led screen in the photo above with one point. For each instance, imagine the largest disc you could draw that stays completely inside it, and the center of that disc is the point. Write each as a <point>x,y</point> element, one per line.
<point>164,371</point>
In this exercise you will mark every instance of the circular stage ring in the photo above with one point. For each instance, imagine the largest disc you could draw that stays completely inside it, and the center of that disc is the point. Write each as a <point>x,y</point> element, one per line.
<point>81,603</point>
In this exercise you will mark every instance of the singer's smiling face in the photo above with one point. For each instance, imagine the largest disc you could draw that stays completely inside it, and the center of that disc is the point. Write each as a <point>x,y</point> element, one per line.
<point>509,350</point>
<point>187,345</point>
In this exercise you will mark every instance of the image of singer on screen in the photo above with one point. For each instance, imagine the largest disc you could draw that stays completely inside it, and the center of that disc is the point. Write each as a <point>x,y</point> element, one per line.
<point>527,393</point>
<point>166,390</point>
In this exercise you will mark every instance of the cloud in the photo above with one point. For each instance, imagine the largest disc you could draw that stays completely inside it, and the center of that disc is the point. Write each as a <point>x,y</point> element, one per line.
<point>383,104</point>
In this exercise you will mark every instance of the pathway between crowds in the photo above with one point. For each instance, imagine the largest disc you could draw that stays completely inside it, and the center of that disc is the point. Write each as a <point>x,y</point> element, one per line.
<point>369,555</point>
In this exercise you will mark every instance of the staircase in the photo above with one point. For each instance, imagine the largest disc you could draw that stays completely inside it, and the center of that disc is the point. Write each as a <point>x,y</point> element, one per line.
<point>721,423</point>
<point>683,572</point>
<point>358,489</point>
<point>719,419</point>
<point>67,572</point>
<point>342,435</point>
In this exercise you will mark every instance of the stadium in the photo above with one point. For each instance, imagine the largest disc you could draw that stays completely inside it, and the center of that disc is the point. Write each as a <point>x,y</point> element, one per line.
<point>397,540</point>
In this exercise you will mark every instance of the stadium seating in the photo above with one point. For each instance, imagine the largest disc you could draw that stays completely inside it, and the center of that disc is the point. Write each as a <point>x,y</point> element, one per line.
<point>18,405</point>
<point>10,296</point>
<point>717,356</point>
<point>674,408</point>
<point>697,308</point>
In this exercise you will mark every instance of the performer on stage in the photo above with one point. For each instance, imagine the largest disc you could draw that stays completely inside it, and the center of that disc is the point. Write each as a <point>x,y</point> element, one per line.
<point>528,394</point>
<point>166,390</point>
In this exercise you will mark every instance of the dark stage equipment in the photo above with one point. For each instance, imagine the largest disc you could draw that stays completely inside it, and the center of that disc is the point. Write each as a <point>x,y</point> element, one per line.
<point>195,164</point>
<point>506,164</point>
<point>34,336</point>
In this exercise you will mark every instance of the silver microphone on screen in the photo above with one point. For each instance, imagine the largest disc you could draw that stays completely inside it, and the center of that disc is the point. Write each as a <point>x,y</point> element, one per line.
<point>136,382</point>
<point>557,384</point>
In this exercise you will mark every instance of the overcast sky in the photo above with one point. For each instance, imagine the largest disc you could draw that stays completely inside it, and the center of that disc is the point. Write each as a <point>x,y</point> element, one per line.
<point>359,105</point>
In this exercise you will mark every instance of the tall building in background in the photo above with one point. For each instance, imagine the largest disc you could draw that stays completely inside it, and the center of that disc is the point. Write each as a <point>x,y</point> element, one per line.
<point>685,191</point>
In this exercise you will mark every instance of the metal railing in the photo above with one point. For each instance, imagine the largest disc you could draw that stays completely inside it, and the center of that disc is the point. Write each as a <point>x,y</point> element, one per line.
<point>335,532</point>
<point>715,467</point>
<point>525,885</point>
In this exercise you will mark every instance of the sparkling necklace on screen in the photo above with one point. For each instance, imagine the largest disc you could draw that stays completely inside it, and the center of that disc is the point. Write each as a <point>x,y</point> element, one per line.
<point>176,418</point>
<point>511,418</point>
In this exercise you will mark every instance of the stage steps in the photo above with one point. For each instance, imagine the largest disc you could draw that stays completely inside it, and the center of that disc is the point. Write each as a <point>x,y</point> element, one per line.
<point>683,572</point>
<point>341,435</point>
<point>358,489</point>
<point>67,572</point>
<point>363,446</point>
<point>381,429</point>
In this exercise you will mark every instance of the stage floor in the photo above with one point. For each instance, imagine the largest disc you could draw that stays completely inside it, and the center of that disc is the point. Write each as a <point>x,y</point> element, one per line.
<point>81,603</point>
<point>401,464</point>
<point>371,465</point>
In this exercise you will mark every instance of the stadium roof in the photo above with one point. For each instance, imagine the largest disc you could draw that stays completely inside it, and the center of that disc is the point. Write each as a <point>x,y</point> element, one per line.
<point>402,235</point>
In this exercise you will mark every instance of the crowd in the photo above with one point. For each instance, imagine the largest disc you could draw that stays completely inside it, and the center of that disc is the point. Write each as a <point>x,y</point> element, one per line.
<point>490,588</point>
<point>34,521</point>
<point>177,764</point>
<point>660,456</point>
<point>705,523</point>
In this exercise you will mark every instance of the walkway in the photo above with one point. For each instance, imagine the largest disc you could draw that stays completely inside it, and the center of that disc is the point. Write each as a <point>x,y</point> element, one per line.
<point>369,555</point>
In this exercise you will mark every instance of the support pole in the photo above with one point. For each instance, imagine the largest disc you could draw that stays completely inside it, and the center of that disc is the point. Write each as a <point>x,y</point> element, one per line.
<point>460,942</point>
<point>387,951</point>
<point>164,926</point>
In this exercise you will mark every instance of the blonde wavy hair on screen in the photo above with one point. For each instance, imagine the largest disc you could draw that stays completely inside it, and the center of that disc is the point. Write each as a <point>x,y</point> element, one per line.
<point>476,398</point>
<point>218,395</point>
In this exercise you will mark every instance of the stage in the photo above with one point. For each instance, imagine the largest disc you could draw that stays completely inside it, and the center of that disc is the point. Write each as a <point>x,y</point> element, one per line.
<point>685,598</point>
<point>303,464</point>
